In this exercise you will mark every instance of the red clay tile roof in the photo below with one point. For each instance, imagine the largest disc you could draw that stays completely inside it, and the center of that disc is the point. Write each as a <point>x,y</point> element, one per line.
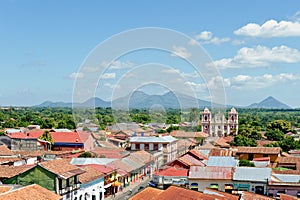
<point>30,192</point>
<point>11,171</point>
<point>262,143</point>
<point>294,151</point>
<point>90,174</point>
<point>102,168</point>
<point>211,172</point>
<point>143,156</point>
<point>149,193</point>
<point>287,197</point>
<point>66,137</point>
<point>184,134</point>
<point>221,142</point>
<point>34,134</point>
<point>288,160</point>
<point>252,196</point>
<point>260,150</point>
<point>178,193</point>
<point>84,135</point>
<point>110,153</point>
<point>4,151</point>
<point>196,153</point>
<point>189,160</point>
<point>171,171</point>
<point>62,167</point>
<point>118,164</point>
<point>207,145</point>
<point>5,188</point>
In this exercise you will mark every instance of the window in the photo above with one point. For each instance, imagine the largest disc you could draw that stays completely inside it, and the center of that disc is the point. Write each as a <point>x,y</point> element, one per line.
<point>71,181</point>
<point>259,190</point>
<point>214,186</point>
<point>194,186</point>
<point>137,146</point>
<point>155,146</point>
<point>76,181</point>
<point>146,146</point>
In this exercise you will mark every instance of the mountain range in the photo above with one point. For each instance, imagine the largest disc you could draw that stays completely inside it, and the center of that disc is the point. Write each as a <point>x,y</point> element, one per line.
<point>141,100</point>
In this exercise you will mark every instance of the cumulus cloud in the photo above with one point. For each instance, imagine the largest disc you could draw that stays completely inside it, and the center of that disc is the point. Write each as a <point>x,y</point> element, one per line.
<point>118,64</point>
<point>76,75</point>
<point>258,82</point>
<point>180,52</point>
<point>197,87</point>
<point>259,56</point>
<point>206,37</point>
<point>270,28</point>
<point>108,76</point>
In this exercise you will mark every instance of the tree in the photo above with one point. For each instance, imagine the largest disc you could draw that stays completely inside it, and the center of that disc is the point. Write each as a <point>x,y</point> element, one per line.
<point>47,137</point>
<point>194,115</point>
<point>86,154</point>
<point>246,163</point>
<point>274,134</point>
<point>241,140</point>
<point>288,143</point>
<point>282,125</point>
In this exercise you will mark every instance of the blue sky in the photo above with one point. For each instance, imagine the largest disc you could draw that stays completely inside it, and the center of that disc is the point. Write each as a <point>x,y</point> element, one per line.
<point>254,44</point>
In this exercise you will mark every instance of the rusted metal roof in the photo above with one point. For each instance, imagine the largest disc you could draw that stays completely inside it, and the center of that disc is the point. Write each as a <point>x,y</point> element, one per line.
<point>211,172</point>
<point>259,150</point>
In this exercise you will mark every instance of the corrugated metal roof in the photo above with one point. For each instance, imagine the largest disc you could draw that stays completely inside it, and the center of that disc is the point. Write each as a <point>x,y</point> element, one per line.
<point>252,174</point>
<point>133,163</point>
<point>221,173</point>
<point>222,161</point>
<point>261,150</point>
<point>87,161</point>
<point>288,178</point>
<point>153,139</point>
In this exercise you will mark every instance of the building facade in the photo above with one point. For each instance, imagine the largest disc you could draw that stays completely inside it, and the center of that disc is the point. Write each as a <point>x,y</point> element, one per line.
<point>218,125</point>
<point>166,144</point>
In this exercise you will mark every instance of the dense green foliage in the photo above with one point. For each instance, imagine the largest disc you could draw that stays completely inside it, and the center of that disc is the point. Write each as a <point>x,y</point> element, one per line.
<point>246,163</point>
<point>251,121</point>
<point>47,137</point>
<point>85,155</point>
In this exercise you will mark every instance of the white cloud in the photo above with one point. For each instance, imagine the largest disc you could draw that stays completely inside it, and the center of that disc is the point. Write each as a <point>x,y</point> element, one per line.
<point>198,87</point>
<point>76,75</point>
<point>206,37</point>
<point>296,16</point>
<point>181,52</point>
<point>171,71</point>
<point>270,28</point>
<point>118,64</point>
<point>259,56</point>
<point>90,69</point>
<point>258,82</point>
<point>218,82</point>
<point>108,76</point>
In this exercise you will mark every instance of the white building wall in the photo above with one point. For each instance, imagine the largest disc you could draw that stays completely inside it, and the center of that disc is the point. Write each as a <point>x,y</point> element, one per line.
<point>91,190</point>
